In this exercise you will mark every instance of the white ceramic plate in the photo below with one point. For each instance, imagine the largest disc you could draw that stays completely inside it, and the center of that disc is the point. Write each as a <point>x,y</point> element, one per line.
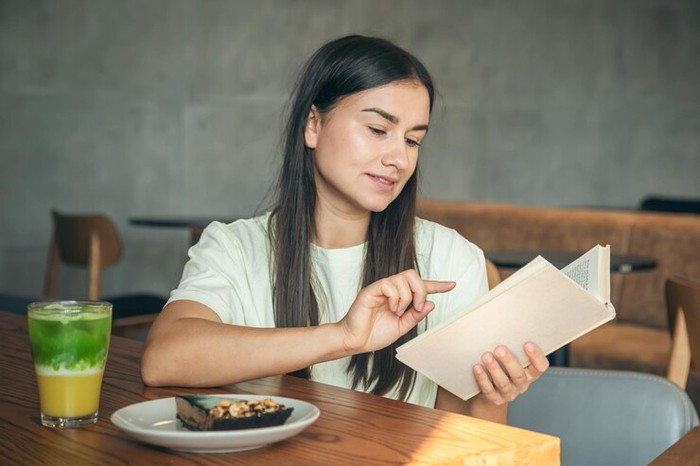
<point>154,422</point>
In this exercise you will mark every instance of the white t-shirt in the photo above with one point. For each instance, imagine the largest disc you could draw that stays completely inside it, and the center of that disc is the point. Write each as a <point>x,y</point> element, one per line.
<point>229,272</point>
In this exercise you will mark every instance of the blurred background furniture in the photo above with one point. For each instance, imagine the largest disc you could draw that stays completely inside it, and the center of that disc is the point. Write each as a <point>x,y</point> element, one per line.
<point>605,417</point>
<point>685,452</point>
<point>14,303</point>
<point>195,233</point>
<point>683,301</point>
<point>619,263</point>
<point>638,339</point>
<point>92,241</point>
<point>493,276</point>
<point>656,203</point>
<point>195,225</point>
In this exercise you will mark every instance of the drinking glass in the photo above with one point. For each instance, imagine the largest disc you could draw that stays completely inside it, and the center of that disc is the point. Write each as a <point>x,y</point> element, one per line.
<point>69,342</point>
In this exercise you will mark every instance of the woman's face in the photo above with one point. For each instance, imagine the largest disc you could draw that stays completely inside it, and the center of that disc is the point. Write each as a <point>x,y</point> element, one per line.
<point>366,147</point>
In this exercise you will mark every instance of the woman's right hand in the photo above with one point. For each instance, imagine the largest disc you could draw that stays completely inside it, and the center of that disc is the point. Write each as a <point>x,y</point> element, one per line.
<point>388,308</point>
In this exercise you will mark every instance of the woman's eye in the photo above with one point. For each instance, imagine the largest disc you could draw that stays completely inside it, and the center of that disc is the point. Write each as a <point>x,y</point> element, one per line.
<point>412,143</point>
<point>377,131</point>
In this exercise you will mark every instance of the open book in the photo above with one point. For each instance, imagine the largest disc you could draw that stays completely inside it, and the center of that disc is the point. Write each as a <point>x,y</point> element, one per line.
<point>537,303</point>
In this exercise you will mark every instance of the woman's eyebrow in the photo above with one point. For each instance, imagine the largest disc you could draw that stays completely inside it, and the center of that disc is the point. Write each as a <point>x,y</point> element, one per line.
<point>384,114</point>
<point>393,118</point>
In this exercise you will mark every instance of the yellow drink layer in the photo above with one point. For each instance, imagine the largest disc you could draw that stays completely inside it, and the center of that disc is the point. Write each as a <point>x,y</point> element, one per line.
<point>69,394</point>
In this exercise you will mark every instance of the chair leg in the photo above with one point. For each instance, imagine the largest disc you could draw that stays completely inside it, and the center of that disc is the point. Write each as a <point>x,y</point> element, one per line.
<point>94,278</point>
<point>51,278</point>
<point>679,363</point>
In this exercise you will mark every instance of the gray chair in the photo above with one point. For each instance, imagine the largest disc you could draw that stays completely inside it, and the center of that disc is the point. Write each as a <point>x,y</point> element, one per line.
<point>605,417</point>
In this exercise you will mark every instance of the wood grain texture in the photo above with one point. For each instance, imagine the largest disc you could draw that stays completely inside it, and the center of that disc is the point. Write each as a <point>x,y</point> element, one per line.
<point>354,427</point>
<point>685,452</point>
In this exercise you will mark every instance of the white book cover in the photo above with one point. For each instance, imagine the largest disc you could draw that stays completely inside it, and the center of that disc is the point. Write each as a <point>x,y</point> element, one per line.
<point>537,303</point>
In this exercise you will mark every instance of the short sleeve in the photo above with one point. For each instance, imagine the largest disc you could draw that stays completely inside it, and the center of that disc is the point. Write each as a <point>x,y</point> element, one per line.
<point>227,272</point>
<point>444,254</point>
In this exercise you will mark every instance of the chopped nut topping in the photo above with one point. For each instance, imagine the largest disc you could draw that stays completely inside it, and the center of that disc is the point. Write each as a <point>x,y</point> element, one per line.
<point>248,408</point>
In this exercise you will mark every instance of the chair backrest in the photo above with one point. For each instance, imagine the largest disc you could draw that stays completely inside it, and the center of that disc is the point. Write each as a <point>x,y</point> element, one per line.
<point>90,241</point>
<point>683,312</point>
<point>605,417</point>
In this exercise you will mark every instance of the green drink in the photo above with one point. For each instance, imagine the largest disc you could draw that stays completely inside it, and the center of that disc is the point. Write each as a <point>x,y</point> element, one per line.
<point>70,341</point>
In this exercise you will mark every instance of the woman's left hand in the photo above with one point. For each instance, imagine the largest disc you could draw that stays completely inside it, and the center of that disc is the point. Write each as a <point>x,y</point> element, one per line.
<point>502,378</point>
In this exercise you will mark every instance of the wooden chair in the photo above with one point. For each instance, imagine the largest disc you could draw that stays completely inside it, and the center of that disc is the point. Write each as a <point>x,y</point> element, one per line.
<point>493,276</point>
<point>683,310</point>
<point>92,241</point>
<point>195,234</point>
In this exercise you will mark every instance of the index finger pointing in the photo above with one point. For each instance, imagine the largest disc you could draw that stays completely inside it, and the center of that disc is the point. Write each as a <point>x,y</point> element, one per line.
<point>437,286</point>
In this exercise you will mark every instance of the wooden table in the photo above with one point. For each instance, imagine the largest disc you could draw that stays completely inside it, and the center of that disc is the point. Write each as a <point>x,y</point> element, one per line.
<point>354,428</point>
<point>685,452</point>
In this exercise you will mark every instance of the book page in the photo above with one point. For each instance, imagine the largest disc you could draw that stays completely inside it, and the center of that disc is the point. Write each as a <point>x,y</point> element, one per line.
<point>591,271</point>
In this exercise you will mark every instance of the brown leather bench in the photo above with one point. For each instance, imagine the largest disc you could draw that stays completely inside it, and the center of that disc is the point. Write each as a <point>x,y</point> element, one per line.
<point>638,339</point>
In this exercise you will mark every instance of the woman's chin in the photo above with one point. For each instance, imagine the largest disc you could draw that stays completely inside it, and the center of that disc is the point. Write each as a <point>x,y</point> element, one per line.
<point>375,203</point>
<point>377,207</point>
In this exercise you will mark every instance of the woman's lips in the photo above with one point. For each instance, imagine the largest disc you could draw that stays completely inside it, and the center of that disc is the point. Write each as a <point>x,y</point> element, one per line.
<point>384,182</point>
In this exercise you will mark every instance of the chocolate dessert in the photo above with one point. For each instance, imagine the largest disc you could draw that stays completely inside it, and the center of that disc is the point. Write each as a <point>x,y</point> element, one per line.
<point>203,412</point>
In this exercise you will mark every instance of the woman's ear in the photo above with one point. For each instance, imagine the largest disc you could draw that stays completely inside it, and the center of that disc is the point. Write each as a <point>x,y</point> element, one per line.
<point>311,130</point>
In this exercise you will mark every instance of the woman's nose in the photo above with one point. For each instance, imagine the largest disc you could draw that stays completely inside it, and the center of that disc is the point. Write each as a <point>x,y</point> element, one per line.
<point>396,154</point>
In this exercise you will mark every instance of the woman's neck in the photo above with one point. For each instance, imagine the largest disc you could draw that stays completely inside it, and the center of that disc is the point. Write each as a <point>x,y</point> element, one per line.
<point>335,230</point>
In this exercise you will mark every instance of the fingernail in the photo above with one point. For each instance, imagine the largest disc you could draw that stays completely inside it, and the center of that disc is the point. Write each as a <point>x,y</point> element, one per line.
<point>478,369</point>
<point>529,347</point>
<point>488,358</point>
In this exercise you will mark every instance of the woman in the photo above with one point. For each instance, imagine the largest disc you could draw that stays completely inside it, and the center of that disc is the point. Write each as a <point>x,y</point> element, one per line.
<point>330,282</point>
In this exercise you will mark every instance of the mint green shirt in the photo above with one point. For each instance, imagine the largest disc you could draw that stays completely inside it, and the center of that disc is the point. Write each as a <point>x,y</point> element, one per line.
<point>229,272</point>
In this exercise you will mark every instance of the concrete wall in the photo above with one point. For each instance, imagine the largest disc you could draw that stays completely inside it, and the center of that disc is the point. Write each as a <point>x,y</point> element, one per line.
<point>167,107</point>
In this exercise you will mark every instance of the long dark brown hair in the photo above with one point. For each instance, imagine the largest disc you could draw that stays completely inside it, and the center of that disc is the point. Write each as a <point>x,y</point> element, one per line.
<point>338,69</point>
